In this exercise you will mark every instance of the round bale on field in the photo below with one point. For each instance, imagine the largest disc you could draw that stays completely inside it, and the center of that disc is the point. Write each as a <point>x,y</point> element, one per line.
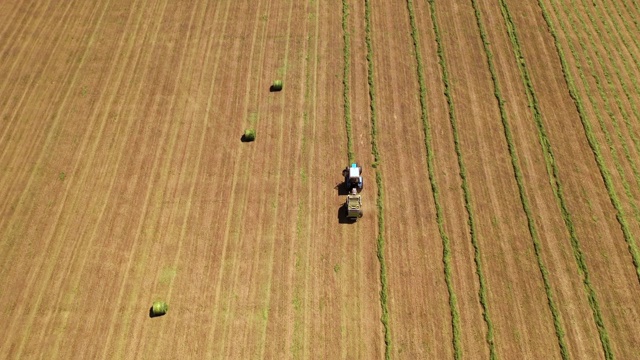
<point>249,135</point>
<point>277,85</point>
<point>159,308</point>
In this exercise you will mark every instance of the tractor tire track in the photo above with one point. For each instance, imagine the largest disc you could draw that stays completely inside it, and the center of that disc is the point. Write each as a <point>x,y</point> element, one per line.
<point>78,251</point>
<point>250,209</point>
<point>281,232</point>
<point>554,250</point>
<point>302,249</point>
<point>155,214</point>
<point>227,218</point>
<point>32,313</point>
<point>82,176</point>
<point>50,134</point>
<point>612,155</point>
<point>16,78</point>
<point>524,198</point>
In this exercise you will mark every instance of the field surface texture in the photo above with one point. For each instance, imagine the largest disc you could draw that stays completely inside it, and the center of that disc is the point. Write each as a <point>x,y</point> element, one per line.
<point>500,148</point>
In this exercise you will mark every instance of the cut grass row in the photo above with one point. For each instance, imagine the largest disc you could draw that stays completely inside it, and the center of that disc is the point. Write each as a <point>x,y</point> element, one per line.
<point>628,11</point>
<point>380,195</point>
<point>635,5</point>
<point>465,186</point>
<point>605,22</point>
<point>614,42</point>
<point>346,37</point>
<point>428,143</point>
<point>345,78</point>
<point>603,97</point>
<point>537,246</point>
<point>621,218</point>
<point>629,73</point>
<point>579,256</point>
<point>595,147</point>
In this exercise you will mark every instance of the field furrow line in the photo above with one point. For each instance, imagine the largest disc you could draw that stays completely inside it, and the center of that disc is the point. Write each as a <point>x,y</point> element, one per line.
<point>313,119</point>
<point>607,107</point>
<point>465,186</point>
<point>553,169</point>
<point>171,148</point>
<point>380,241</point>
<point>367,292</point>
<point>630,74</point>
<point>614,40</point>
<point>9,76</point>
<point>182,177</point>
<point>125,180</point>
<point>524,199</point>
<point>346,103</point>
<point>351,156</point>
<point>10,20</point>
<point>31,31</point>
<point>235,215</point>
<point>145,212</point>
<point>629,12</point>
<point>345,79</point>
<point>20,33</point>
<point>299,336</point>
<point>30,180</point>
<point>237,207</point>
<point>15,157</point>
<point>81,249</point>
<point>428,142</point>
<point>262,212</point>
<point>58,247</point>
<point>75,253</point>
<point>242,173</point>
<point>239,239</point>
<point>25,14</point>
<point>280,147</point>
<point>12,117</point>
<point>57,118</point>
<point>632,49</point>
<point>605,100</point>
<point>9,135</point>
<point>196,168</point>
<point>610,83</point>
<point>595,148</point>
<point>624,19</point>
<point>635,4</point>
<point>232,212</point>
<point>622,56</point>
<point>144,250</point>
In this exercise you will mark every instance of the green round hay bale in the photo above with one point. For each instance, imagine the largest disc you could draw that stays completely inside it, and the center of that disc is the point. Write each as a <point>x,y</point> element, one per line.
<point>249,135</point>
<point>160,308</point>
<point>277,85</point>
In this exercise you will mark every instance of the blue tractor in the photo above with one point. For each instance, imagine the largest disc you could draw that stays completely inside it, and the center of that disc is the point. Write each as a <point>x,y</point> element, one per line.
<point>353,178</point>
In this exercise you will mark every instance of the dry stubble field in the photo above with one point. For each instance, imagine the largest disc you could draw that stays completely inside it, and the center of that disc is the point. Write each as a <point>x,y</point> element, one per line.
<point>500,141</point>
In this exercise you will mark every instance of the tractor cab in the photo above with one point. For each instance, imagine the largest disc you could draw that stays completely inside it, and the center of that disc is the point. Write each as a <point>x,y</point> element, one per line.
<point>353,177</point>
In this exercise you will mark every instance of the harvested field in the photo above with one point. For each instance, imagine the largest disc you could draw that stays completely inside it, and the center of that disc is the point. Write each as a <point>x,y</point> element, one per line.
<point>500,146</point>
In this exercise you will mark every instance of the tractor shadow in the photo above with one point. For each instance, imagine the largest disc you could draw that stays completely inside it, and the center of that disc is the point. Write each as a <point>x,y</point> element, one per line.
<point>342,215</point>
<point>152,315</point>
<point>342,189</point>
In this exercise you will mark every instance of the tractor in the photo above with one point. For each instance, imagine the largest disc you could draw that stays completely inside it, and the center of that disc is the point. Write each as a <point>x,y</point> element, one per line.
<point>353,178</point>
